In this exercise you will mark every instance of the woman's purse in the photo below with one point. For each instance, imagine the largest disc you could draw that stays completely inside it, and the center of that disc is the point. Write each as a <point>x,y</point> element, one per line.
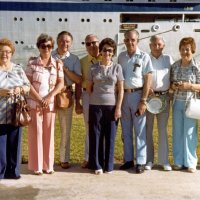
<point>193,108</point>
<point>22,115</point>
<point>64,98</point>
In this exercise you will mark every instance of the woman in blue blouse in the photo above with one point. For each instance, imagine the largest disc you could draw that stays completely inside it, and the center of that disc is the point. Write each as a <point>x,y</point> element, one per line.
<point>12,81</point>
<point>185,80</point>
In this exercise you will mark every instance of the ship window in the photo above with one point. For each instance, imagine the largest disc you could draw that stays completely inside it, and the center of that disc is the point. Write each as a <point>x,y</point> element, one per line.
<point>148,18</point>
<point>82,20</point>
<point>107,0</point>
<point>66,20</point>
<point>172,0</point>
<point>22,42</point>
<point>16,42</point>
<point>60,20</point>
<point>110,20</point>
<point>38,19</point>
<point>104,20</point>
<point>192,18</point>
<point>21,19</point>
<point>43,19</point>
<point>15,18</point>
<point>151,0</point>
<point>88,20</point>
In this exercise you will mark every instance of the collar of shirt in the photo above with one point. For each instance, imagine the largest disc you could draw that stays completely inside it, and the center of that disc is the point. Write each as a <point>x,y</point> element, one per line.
<point>152,57</point>
<point>56,54</point>
<point>136,54</point>
<point>93,60</point>
<point>51,64</point>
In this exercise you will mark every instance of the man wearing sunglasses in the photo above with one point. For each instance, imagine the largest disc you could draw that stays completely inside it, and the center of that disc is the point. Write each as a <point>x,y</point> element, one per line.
<point>137,69</point>
<point>72,74</point>
<point>92,47</point>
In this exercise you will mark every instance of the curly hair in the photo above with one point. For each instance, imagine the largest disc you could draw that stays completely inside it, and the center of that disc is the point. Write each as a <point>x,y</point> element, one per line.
<point>110,42</point>
<point>188,40</point>
<point>7,42</point>
<point>44,38</point>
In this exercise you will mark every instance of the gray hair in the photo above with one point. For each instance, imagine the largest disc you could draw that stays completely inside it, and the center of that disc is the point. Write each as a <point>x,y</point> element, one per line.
<point>156,37</point>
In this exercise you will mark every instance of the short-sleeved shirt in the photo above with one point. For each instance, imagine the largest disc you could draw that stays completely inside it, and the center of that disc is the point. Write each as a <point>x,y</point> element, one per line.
<point>104,82</point>
<point>185,74</point>
<point>43,79</point>
<point>161,72</point>
<point>9,79</point>
<point>70,61</point>
<point>86,63</point>
<point>134,68</point>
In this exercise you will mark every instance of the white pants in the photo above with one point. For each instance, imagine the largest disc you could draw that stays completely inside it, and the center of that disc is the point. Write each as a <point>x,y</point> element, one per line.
<point>65,120</point>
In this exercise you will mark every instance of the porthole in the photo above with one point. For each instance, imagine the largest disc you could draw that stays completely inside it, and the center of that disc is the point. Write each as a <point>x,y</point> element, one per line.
<point>66,20</point>
<point>22,42</point>
<point>110,20</point>
<point>16,42</point>
<point>82,20</point>
<point>15,18</point>
<point>21,19</point>
<point>38,19</point>
<point>104,20</point>
<point>83,43</point>
<point>43,19</point>
<point>88,20</point>
<point>60,20</point>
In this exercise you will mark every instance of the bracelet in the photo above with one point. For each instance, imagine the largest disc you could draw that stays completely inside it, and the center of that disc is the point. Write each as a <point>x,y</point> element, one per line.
<point>143,101</point>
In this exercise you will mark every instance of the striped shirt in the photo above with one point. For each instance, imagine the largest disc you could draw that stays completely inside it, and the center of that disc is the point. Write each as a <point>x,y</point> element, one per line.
<point>10,79</point>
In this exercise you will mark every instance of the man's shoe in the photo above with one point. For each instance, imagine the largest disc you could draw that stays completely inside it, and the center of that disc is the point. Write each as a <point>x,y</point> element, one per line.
<point>65,165</point>
<point>139,169</point>
<point>178,167</point>
<point>149,166</point>
<point>98,171</point>
<point>127,165</point>
<point>167,167</point>
<point>191,170</point>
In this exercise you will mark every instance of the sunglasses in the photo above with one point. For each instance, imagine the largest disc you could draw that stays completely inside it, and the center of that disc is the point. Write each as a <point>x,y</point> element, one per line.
<point>88,44</point>
<point>107,50</point>
<point>44,46</point>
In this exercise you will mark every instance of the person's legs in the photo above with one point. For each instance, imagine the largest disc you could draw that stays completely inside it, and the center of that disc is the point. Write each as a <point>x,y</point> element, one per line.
<point>13,152</point>
<point>48,140</point>
<point>65,120</point>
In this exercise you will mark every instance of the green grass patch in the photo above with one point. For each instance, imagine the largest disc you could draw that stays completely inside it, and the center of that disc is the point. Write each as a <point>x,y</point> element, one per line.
<point>78,141</point>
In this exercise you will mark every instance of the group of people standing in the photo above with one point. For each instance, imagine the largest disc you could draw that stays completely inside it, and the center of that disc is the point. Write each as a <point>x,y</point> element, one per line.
<point>109,91</point>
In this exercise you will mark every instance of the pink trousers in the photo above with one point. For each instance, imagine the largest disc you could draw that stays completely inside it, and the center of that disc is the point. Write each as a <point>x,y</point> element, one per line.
<point>41,140</point>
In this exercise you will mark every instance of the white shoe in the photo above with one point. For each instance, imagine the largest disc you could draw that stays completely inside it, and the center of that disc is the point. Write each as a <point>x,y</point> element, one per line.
<point>98,171</point>
<point>110,172</point>
<point>191,170</point>
<point>149,166</point>
<point>167,167</point>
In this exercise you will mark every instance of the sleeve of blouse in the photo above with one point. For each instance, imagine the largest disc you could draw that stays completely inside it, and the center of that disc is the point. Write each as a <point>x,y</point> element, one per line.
<point>60,70</point>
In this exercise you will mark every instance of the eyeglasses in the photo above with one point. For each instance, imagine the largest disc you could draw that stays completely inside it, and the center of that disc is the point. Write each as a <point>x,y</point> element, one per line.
<point>88,44</point>
<point>107,50</point>
<point>44,46</point>
<point>6,52</point>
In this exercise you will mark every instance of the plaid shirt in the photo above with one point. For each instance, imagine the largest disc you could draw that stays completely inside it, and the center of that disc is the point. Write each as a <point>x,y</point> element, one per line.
<point>185,74</point>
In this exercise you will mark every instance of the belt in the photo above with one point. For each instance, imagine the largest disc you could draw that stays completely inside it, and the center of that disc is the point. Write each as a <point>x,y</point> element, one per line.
<point>158,93</point>
<point>133,89</point>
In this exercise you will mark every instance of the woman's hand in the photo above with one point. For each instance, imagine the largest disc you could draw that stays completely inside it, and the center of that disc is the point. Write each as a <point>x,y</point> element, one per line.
<point>117,114</point>
<point>46,100</point>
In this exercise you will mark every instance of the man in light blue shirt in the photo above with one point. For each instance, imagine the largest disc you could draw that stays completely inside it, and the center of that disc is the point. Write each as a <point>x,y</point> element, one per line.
<point>137,69</point>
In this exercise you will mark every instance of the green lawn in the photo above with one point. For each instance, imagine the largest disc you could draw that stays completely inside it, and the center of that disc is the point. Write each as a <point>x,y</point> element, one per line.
<point>77,142</point>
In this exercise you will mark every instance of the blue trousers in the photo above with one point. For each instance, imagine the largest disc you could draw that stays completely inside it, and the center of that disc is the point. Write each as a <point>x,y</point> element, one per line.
<point>102,133</point>
<point>129,122</point>
<point>184,137</point>
<point>10,151</point>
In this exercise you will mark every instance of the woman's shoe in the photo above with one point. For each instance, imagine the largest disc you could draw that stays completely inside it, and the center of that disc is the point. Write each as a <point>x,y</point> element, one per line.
<point>98,171</point>
<point>48,171</point>
<point>191,170</point>
<point>39,173</point>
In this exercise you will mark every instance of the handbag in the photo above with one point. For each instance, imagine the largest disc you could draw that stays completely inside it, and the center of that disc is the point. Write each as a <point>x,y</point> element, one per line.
<point>22,115</point>
<point>64,99</point>
<point>193,108</point>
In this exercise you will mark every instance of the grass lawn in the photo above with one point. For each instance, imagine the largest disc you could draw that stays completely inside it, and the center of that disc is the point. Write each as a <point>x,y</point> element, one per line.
<point>77,142</point>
